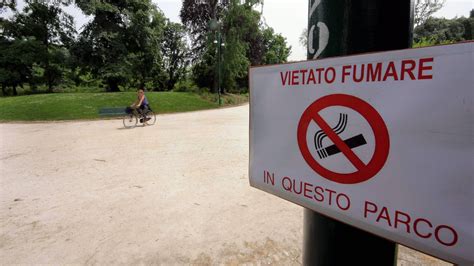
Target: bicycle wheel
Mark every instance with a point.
(150, 118)
(130, 121)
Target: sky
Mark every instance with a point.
(287, 17)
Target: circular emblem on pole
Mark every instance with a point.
(382, 142)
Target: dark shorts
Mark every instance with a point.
(141, 110)
(144, 108)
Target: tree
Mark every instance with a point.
(8, 4)
(175, 53)
(145, 38)
(235, 63)
(53, 28)
(244, 43)
(468, 24)
(425, 8)
(203, 70)
(304, 38)
(276, 50)
(196, 17)
(247, 41)
(17, 62)
(440, 31)
(122, 39)
(46, 28)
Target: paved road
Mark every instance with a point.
(92, 192)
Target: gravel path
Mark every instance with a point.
(91, 192)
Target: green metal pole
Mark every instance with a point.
(216, 63)
(219, 43)
(344, 27)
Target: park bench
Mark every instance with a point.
(112, 111)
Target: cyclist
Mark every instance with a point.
(141, 104)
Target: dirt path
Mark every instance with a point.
(174, 193)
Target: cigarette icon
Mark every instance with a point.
(352, 142)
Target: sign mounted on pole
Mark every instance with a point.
(382, 141)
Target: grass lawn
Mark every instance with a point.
(70, 106)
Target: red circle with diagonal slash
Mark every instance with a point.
(382, 142)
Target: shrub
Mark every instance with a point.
(186, 86)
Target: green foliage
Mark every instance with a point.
(17, 61)
(442, 31)
(203, 70)
(46, 32)
(144, 47)
(175, 54)
(243, 46)
(234, 99)
(468, 24)
(55, 30)
(275, 48)
(186, 85)
(47, 23)
(424, 42)
(247, 42)
(122, 42)
(235, 63)
(228, 99)
(129, 44)
(196, 17)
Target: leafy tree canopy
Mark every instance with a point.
(122, 39)
(245, 41)
(440, 30)
(176, 54)
(425, 8)
(47, 28)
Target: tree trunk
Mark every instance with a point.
(22, 88)
(48, 76)
(48, 67)
(15, 93)
(4, 92)
(170, 82)
(50, 85)
(33, 87)
(48, 79)
(112, 86)
(161, 85)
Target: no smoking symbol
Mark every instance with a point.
(382, 143)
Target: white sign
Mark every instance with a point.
(382, 141)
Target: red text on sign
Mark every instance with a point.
(404, 70)
(316, 193)
(308, 76)
(421, 227)
(407, 69)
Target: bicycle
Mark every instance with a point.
(147, 118)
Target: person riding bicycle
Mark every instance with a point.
(141, 104)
